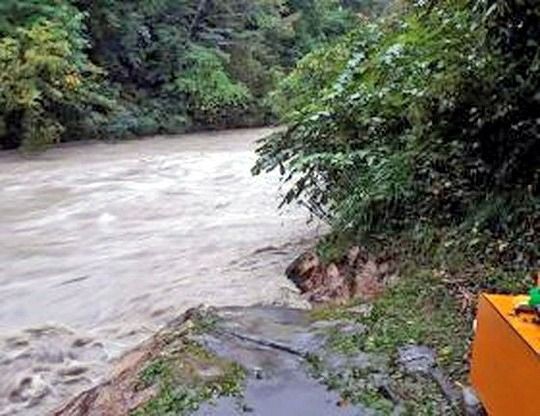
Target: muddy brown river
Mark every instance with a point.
(101, 244)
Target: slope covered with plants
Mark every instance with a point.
(78, 69)
(419, 134)
(423, 121)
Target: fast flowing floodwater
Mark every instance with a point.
(103, 243)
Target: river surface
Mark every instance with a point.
(101, 244)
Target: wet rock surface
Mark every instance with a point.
(471, 403)
(417, 359)
(267, 361)
(421, 361)
(272, 345)
(289, 393)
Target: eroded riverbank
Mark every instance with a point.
(103, 243)
(266, 361)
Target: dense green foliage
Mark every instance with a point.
(47, 83)
(76, 69)
(424, 122)
(418, 136)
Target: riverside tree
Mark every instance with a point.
(78, 69)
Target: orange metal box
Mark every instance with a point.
(506, 358)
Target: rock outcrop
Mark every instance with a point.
(357, 275)
(185, 364)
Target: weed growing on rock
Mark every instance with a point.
(185, 376)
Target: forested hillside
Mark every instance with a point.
(81, 69)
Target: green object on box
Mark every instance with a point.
(535, 297)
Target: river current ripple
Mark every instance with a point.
(101, 244)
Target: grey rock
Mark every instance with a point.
(421, 360)
(326, 324)
(417, 359)
(471, 403)
(339, 363)
(352, 329)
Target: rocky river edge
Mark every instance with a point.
(269, 361)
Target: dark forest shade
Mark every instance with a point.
(74, 70)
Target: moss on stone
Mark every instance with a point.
(186, 375)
